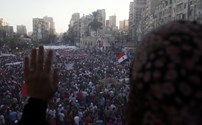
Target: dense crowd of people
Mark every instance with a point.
(92, 87)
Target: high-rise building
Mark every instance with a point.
(123, 25)
(3, 23)
(131, 13)
(9, 31)
(75, 18)
(51, 24)
(107, 23)
(199, 11)
(112, 21)
(135, 16)
(74, 28)
(21, 29)
(6, 31)
(101, 16)
(40, 29)
(43, 27)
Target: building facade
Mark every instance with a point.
(102, 17)
(123, 25)
(40, 29)
(74, 28)
(149, 14)
(135, 20)
(6, 31)
(50, 24)
(130, 20)
(43, 28)
(112, 21)
(199, 11)
(75, 18)
(21, 30)
(163, 13)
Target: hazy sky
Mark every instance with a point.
(17, 12)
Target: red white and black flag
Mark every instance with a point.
(121, 57)
(100, 43)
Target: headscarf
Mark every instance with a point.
(166, 77)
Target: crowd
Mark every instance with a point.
(165, 83)
(92, 87)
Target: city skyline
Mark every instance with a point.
(22, 12)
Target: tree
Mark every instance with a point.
(95, 24)
(67, 38)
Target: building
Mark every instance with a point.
(75, 18)
(130, 21)
(148, 16)
(123, 25)
(43, 28)
(6, 31)
(163, 12)
(112, 21)
(135, 17)
(9, 31)
(3, 23)
(50, 25)
(101, 16)
(199, 11)
(107, 23)
(21, 29)
(74, 28)
(86, 39)
(40, 29)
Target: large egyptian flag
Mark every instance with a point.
(121, 57)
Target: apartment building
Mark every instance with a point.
(163, 12)
(123, 25)
(102, 16)
(51, 25)
(40, 29)
(112, 21)
(21, 30)
(43, 27)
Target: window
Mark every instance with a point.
(185, 5)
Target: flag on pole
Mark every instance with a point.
(121, 57)
(100, 43)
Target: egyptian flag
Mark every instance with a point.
(121, 57)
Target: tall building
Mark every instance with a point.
(6, 31)
(131, 16)
(40, 29)
(167, 10)
(199, 11)
(112, 21)
(9, 31)
(50, 23)
(163, 12)
(74, 28)
(101, 16)
(107, 23)
(43, 27)
(21, 29)
(75, 18)
(135, 17)
(3, 23)
(123, 25)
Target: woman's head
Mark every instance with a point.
(166, 77)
